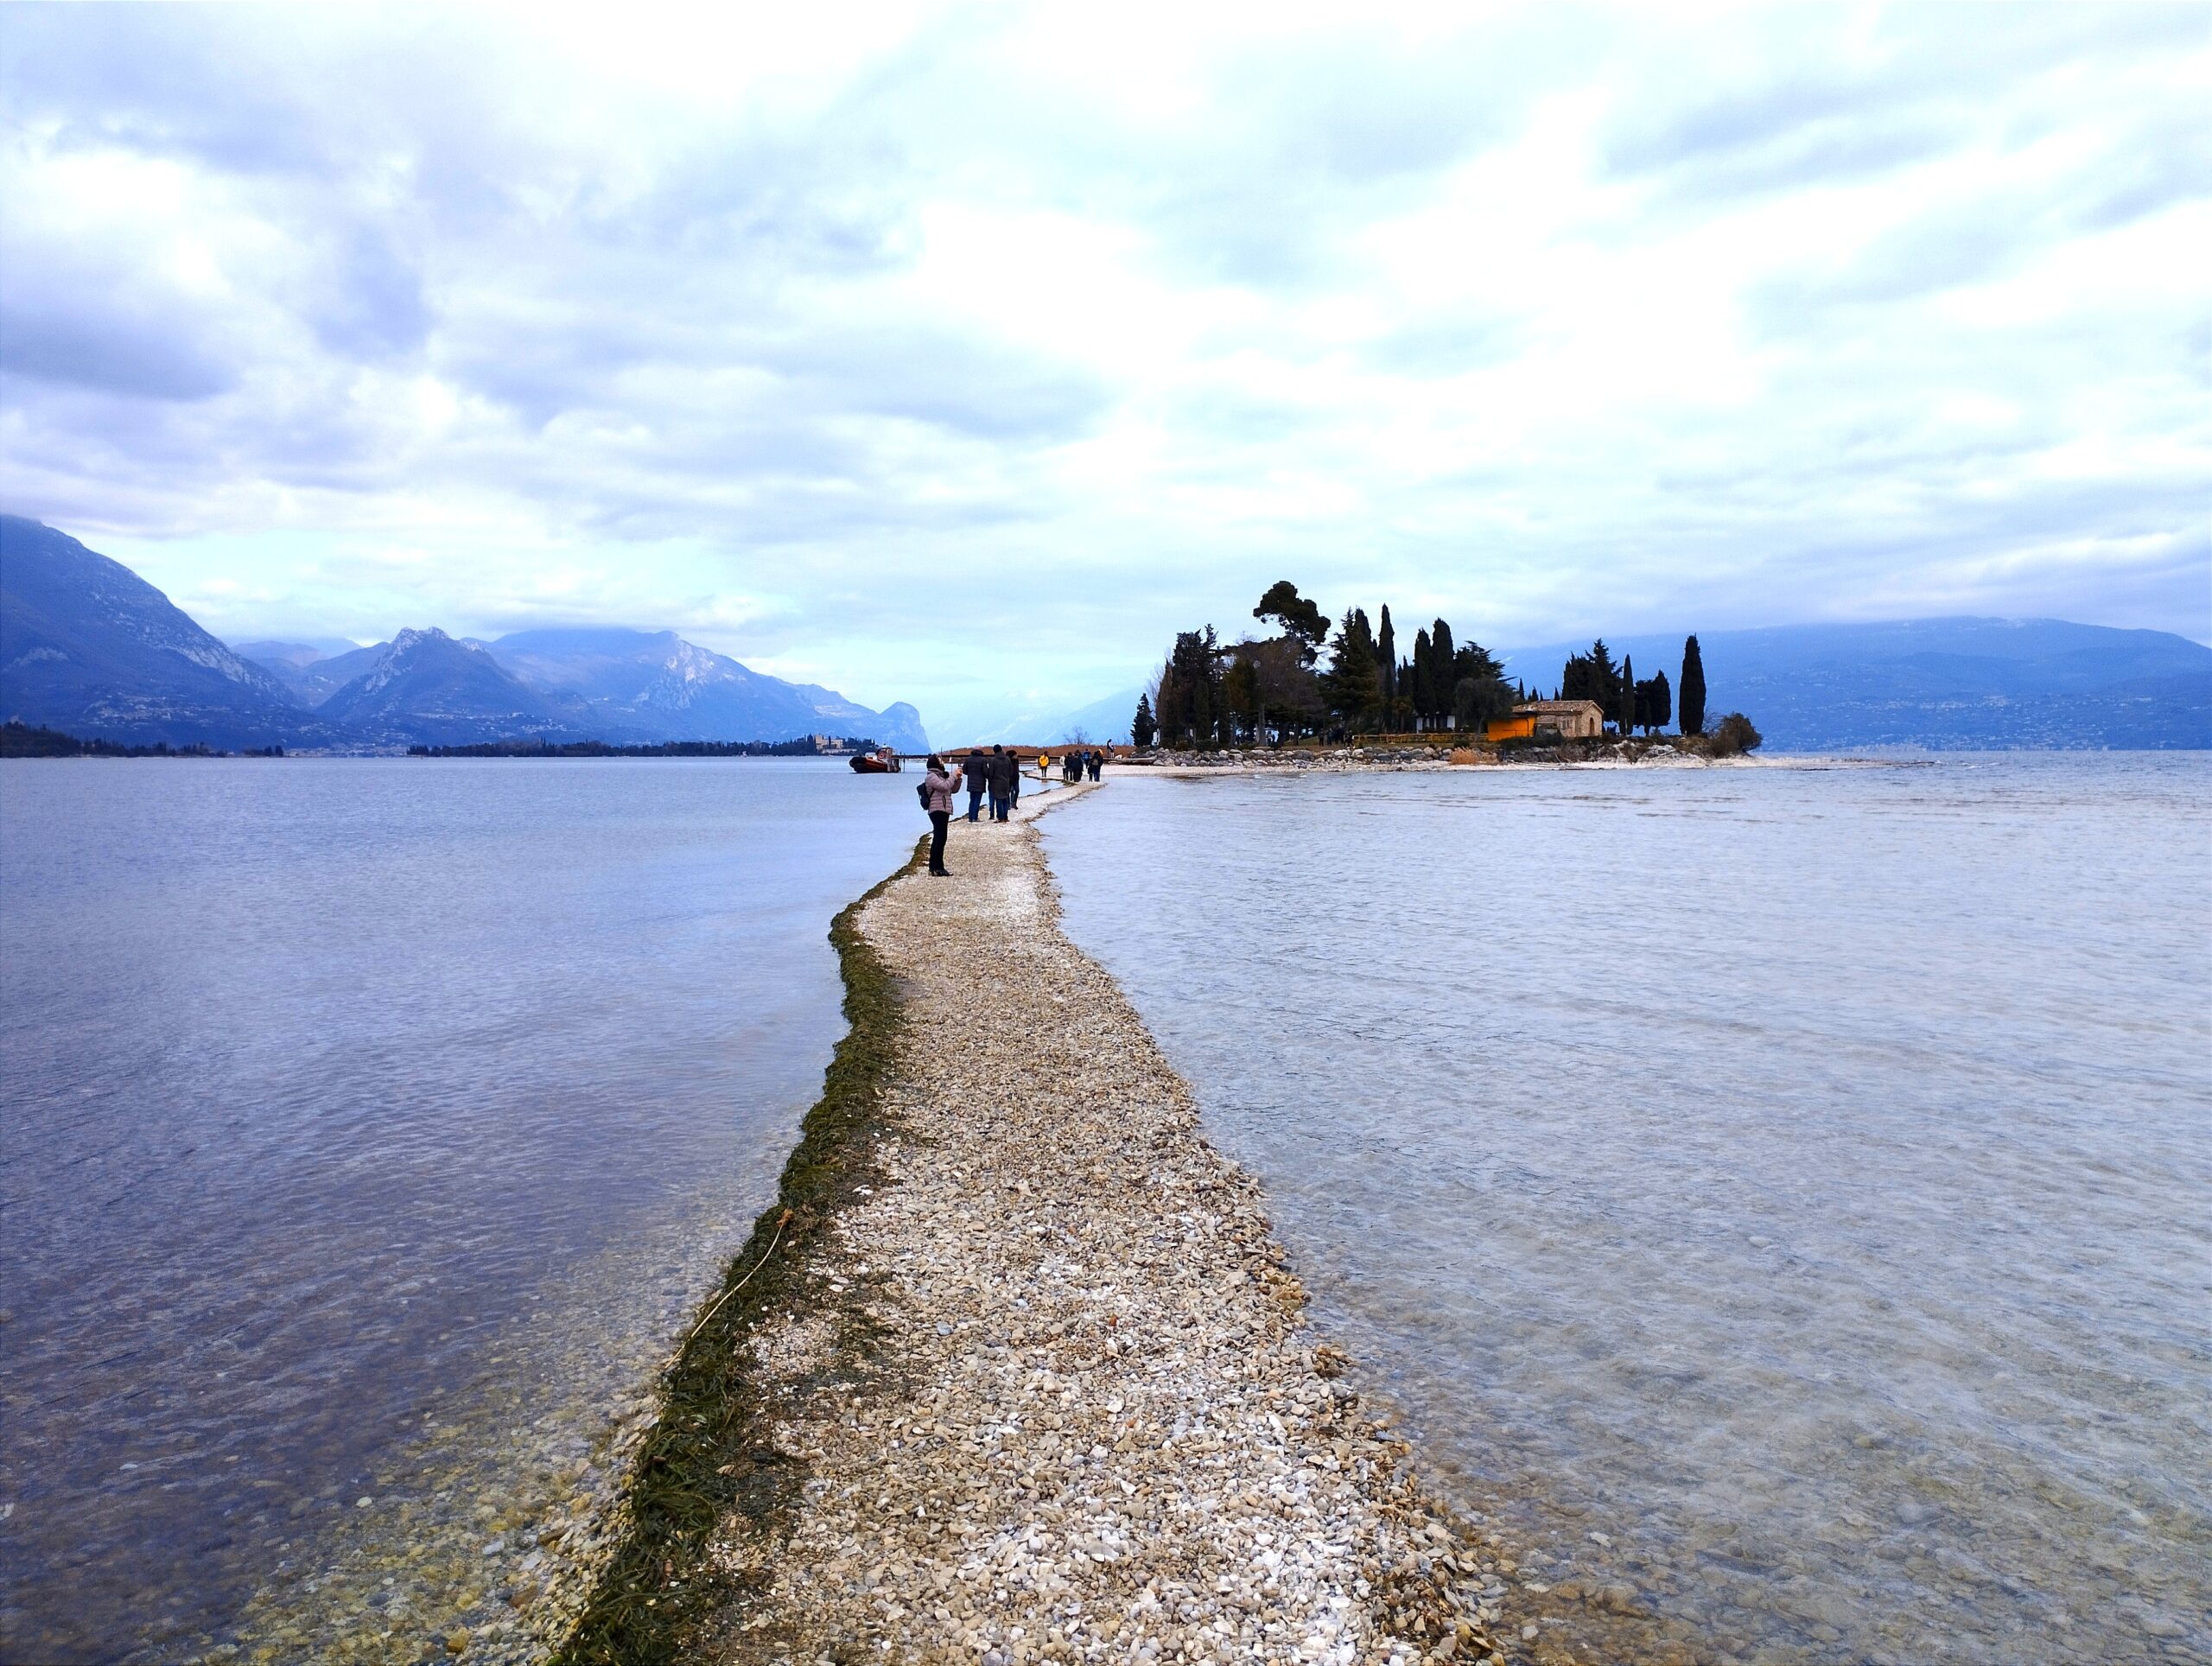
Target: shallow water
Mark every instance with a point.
(1796, 1178)
(354, 1104)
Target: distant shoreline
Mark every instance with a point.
(1667, 751)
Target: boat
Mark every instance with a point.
(882, 761)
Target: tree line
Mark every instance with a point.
(807, 746)
(20, 740)
(1304, 683)
(1629, 702)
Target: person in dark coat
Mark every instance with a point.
(977, 769)
(1097, 761)
(1005, 777)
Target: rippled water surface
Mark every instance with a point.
(340, 1092)
(1782, 1197)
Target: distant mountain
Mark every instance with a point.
(312, 671)
(89, 647)
(1937, 683)
(424, 687)
(1035, 723)
(656, 686)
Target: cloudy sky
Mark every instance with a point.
(960, 355)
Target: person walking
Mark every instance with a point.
(1004, 774)
(977, 769)
(1097, 761)
(938, 787)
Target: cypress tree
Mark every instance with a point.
(1441, 672)
(1691, 701)
(1424, 680)
(1141, 727)
(1386, 664)
(1627, 696)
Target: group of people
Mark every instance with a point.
(996, 775)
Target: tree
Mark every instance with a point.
(1653, 704)
(1290, 694)
(1693, 695)
(1734, 734)
(1421, 682)
(1240, 689)
(1624, 696)
(1592, 676)
(1478, 688)
(1189, 707)
(1302, 620)
(1141, 727)
(1350, 684)
(1386, 668)
(1443, 674)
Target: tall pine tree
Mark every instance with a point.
(1625, 699)
(1386, 664)
(1350, 682)
(1690, 700)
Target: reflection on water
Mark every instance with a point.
(334, 1087)
(1783, 1195)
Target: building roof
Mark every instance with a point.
(1549, 708)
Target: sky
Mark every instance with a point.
(962, 354)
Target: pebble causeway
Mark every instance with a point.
(1089, 1422)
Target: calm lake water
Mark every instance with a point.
(1782, 1192)
(344, 1096)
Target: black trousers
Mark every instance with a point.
(939, 821)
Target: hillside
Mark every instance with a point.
(426, 689)
(656, 686)
(312, 671)
(1941, 685)
(89, 647)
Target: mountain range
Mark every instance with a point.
(89, 647)
(1937, 685)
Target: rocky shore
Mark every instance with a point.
(1031, 1382)
(1694, 752)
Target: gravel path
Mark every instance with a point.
(1060, 1403)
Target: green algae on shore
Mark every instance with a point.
(704, 1459)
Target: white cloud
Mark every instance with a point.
(930, 353)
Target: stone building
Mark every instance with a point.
(1571, 720)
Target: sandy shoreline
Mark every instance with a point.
(1030, 1380)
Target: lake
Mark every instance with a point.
(1779, 1197)
(372, 1126)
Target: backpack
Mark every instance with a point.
(922, 791)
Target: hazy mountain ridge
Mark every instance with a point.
(88, 647)
(312, 671)
(1105, 721)
(658, 687)
(425, 688)
(1943, 684)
